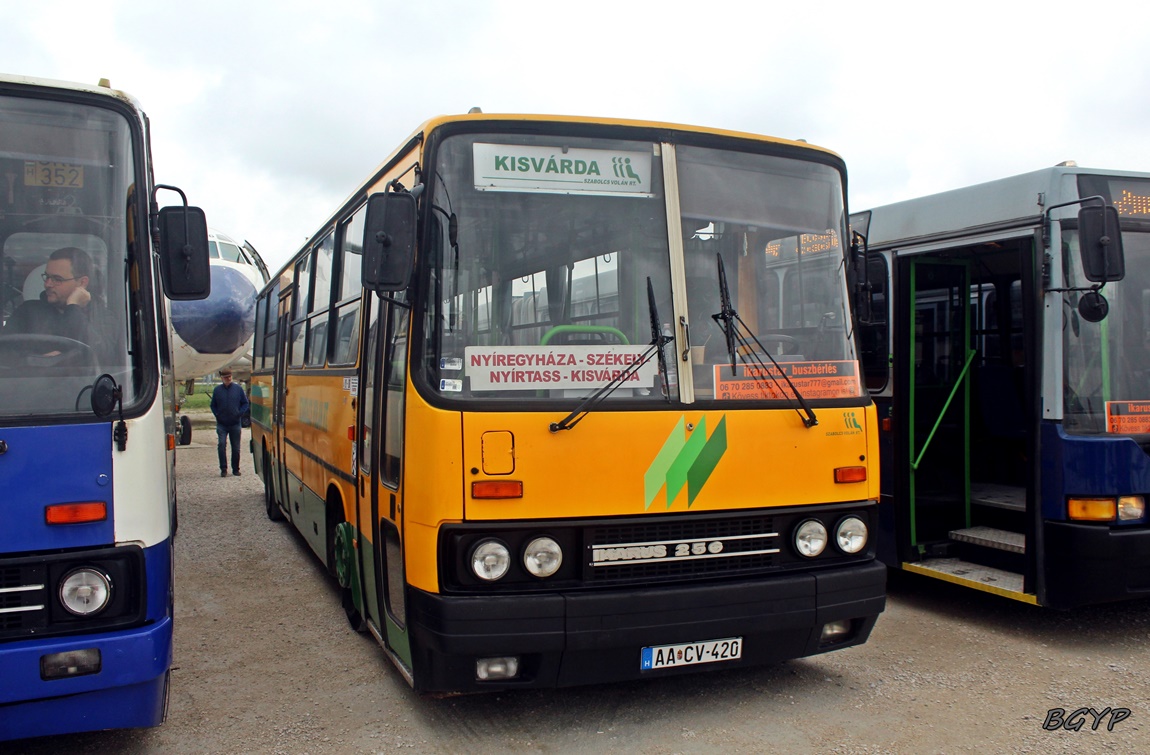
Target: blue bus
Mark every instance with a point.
(1006, 341)
(87, 489)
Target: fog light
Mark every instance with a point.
(70, 663)
(1131, 507)
(506, 667)
(835, 631)
(85, 591)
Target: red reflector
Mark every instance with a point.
(497, 489)
(351, 432)
(887, 424)
(76, 513)
(850, 474)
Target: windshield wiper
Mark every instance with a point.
(738, 345)
(658, 343)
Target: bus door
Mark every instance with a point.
(379, 450)
(932, 408)
(279, 411)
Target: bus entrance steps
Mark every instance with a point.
(989, 537)
(985, 578)
(1009, 497)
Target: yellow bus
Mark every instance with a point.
(565, 400)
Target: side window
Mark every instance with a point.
(320, 302)
(301, 301)
(265, 338)
(874, 335)
(395, 377)
(345, 312)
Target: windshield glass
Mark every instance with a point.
(64, 256)
(542, 248)
(1108, 363)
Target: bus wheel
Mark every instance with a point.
(185, 430)
(346, 574)
(270, 504)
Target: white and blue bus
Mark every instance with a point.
(87, 490)
(1006, 342)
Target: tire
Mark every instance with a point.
(270, 504)
(185, 430)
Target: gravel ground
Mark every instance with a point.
(265, 662)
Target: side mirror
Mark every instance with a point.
(388, 241)
(183, 251)
(1100, 240)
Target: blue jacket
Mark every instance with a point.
(229, 403)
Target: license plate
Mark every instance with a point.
(53, 174)
(691, 653)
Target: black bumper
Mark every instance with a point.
(595, 637)
(1088, 564)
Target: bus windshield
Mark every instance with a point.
(1107, 363)
(542, 247)
(65, 253)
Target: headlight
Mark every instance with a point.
(810, 538)
(85, 592)
(1131, 507)
(490, 560)
(851, 535)
(542, 557)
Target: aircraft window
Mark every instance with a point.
(213, 250)
(230, 252)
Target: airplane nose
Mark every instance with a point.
(221, 323)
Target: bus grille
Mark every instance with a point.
(685, 548)
(23, 599)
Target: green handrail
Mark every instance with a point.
(965, 368)
(583, 329)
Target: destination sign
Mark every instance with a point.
(530, 368)
(1131, 198)
(561, 170)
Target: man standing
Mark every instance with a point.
(229, 404)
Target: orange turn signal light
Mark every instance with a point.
(850, 474)
(76, 513)
(1092, 509)
(497, 489)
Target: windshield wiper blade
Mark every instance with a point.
(658, 341)
(733, 328)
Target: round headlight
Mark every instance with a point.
(85, 592)
(542, 557)
(490, 560)
(851, 535)
(810, 538)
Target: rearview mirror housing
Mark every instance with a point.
(1100, 239)
(389, 241)
(184, 266)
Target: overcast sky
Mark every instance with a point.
(268, 114)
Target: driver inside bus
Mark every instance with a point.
(65, 306)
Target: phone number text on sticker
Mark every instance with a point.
(691, 653)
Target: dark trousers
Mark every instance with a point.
(223, 432)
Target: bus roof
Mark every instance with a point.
(998, 205)
(103, 88)
(477, 117)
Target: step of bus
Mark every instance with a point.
(989, 537)
(1010, 497)
(985, 578)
